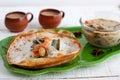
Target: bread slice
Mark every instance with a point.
(21, 50)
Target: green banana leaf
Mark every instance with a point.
(86, 58)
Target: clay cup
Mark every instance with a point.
(50, 18)
(17, 21)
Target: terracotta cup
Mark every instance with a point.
(17, 21)
(50, 18)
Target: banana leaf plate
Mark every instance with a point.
(86, 57)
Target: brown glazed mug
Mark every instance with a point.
(50, 18)
(17, 21)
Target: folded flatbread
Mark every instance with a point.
(43, 48)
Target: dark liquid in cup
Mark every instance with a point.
(15, 15)
(49, 13)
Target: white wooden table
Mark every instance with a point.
(108, 70)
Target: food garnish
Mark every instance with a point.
(77, 34)
(97, 52)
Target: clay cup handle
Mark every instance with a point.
(63, 14)
(31, 16)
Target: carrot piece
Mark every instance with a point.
(35, 50)
(36, 53)
(47, 38)
(45, 44)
